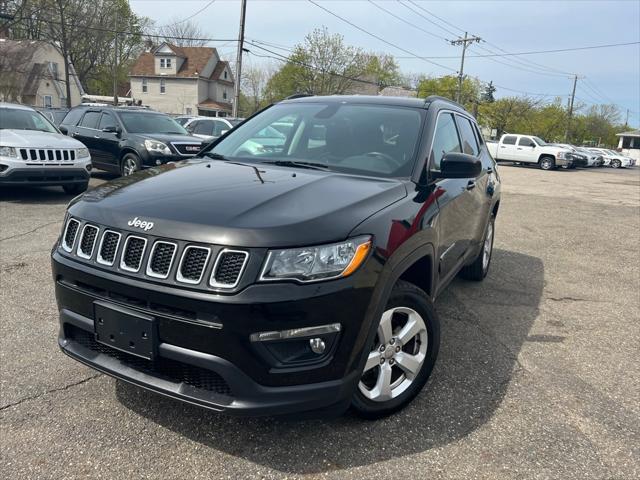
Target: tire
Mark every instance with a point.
(75, 189)
(478, 270)
(547, 163)
(406, 364)
(130, 164)
(616, 163)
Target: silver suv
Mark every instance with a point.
(34, 152)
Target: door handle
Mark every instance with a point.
(519, 148)
(96, 136)
(503, 147)
(471, 185)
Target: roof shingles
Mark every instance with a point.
(195, 61)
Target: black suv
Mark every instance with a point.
(127, 139)
(290, 276)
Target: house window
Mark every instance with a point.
(47, 101)
(224, 94)
(189, 110)
(162, 63)
(54, 69)
(163, 88)
(225, 74)
(165, 63)
(168, 63)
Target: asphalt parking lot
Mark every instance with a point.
(538, 374)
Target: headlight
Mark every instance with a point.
(317, 263)
(159, 147)
(8, 152)
(82, 152)
(561, 155)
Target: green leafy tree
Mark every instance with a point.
(447, 86)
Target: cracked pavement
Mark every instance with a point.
(538, 374)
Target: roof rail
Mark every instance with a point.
(299, 95)
(433, 98)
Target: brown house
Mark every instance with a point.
(183, 80)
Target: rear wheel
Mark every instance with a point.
(75, 189)
(402, 356)
(547, 163)
(480, 266)
(130, 164)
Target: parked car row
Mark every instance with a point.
(532, 150)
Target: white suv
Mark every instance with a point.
(34, 152)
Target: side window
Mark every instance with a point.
(204, 127)
(106, 121)
(90, 120)
(219, 127)
(478, 135)
(509, 140)
(526, 142)
(73, 117)
(469, 142)
(445, 139)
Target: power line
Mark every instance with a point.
(426, 18)
(189, 17)
(406, 21)
(380, 38)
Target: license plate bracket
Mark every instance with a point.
(125, 330)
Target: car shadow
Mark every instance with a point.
(484, 326)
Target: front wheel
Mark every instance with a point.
(616, 163)
(547, 163)
(402, 356)
(130, 164)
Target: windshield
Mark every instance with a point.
(140, 122)
(372, 140)
(540, 142)
(19, 119)
(235, 121)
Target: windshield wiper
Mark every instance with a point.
(215, 156)
(291, 163)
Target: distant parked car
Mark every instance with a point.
(34, 152)
(579, 158)
(128, 139)
(614, 159)
(210, 128)
(527, 149)
(184, 119)
(54, 115)
(593, 158)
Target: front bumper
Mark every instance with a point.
(207, 358)
(44, 176)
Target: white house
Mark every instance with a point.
(629, 143)
(32, 73)
(183, 80)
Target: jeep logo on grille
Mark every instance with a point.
(143, 224)
(192, 148)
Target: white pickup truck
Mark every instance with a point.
(527, 149)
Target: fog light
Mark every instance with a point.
(317, 345)
(158, 162)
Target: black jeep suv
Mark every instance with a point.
(127, 139)
(280, 277)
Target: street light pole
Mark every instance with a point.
(236, 96)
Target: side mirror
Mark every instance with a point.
(63, 130)
(112, 129)
(459, 165)
(223, 132)
(533, 145)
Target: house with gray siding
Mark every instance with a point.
(183, 81)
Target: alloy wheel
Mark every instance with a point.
(398, 356)
(129, 167)
(488, 247)
(545, 164)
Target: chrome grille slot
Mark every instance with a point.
(161, 259)
(132, 253)
(87, 241)
(69, 236)
(108, 247)
(228, 268)
(191, 268)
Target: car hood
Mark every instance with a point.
(241, 205)
(36, 139)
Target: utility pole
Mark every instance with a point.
(626, 119)
(236, 97)
(115, 62)
(465, 43)
(573, 96)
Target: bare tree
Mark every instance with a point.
(14, 68)
(182, 33)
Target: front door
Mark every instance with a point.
(525, 150)
(507, 148)
(108, 143)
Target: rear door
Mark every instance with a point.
(455, 200)
(507, 148)
(87, 132)
(526, 150)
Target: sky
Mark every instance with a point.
(606, 75)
